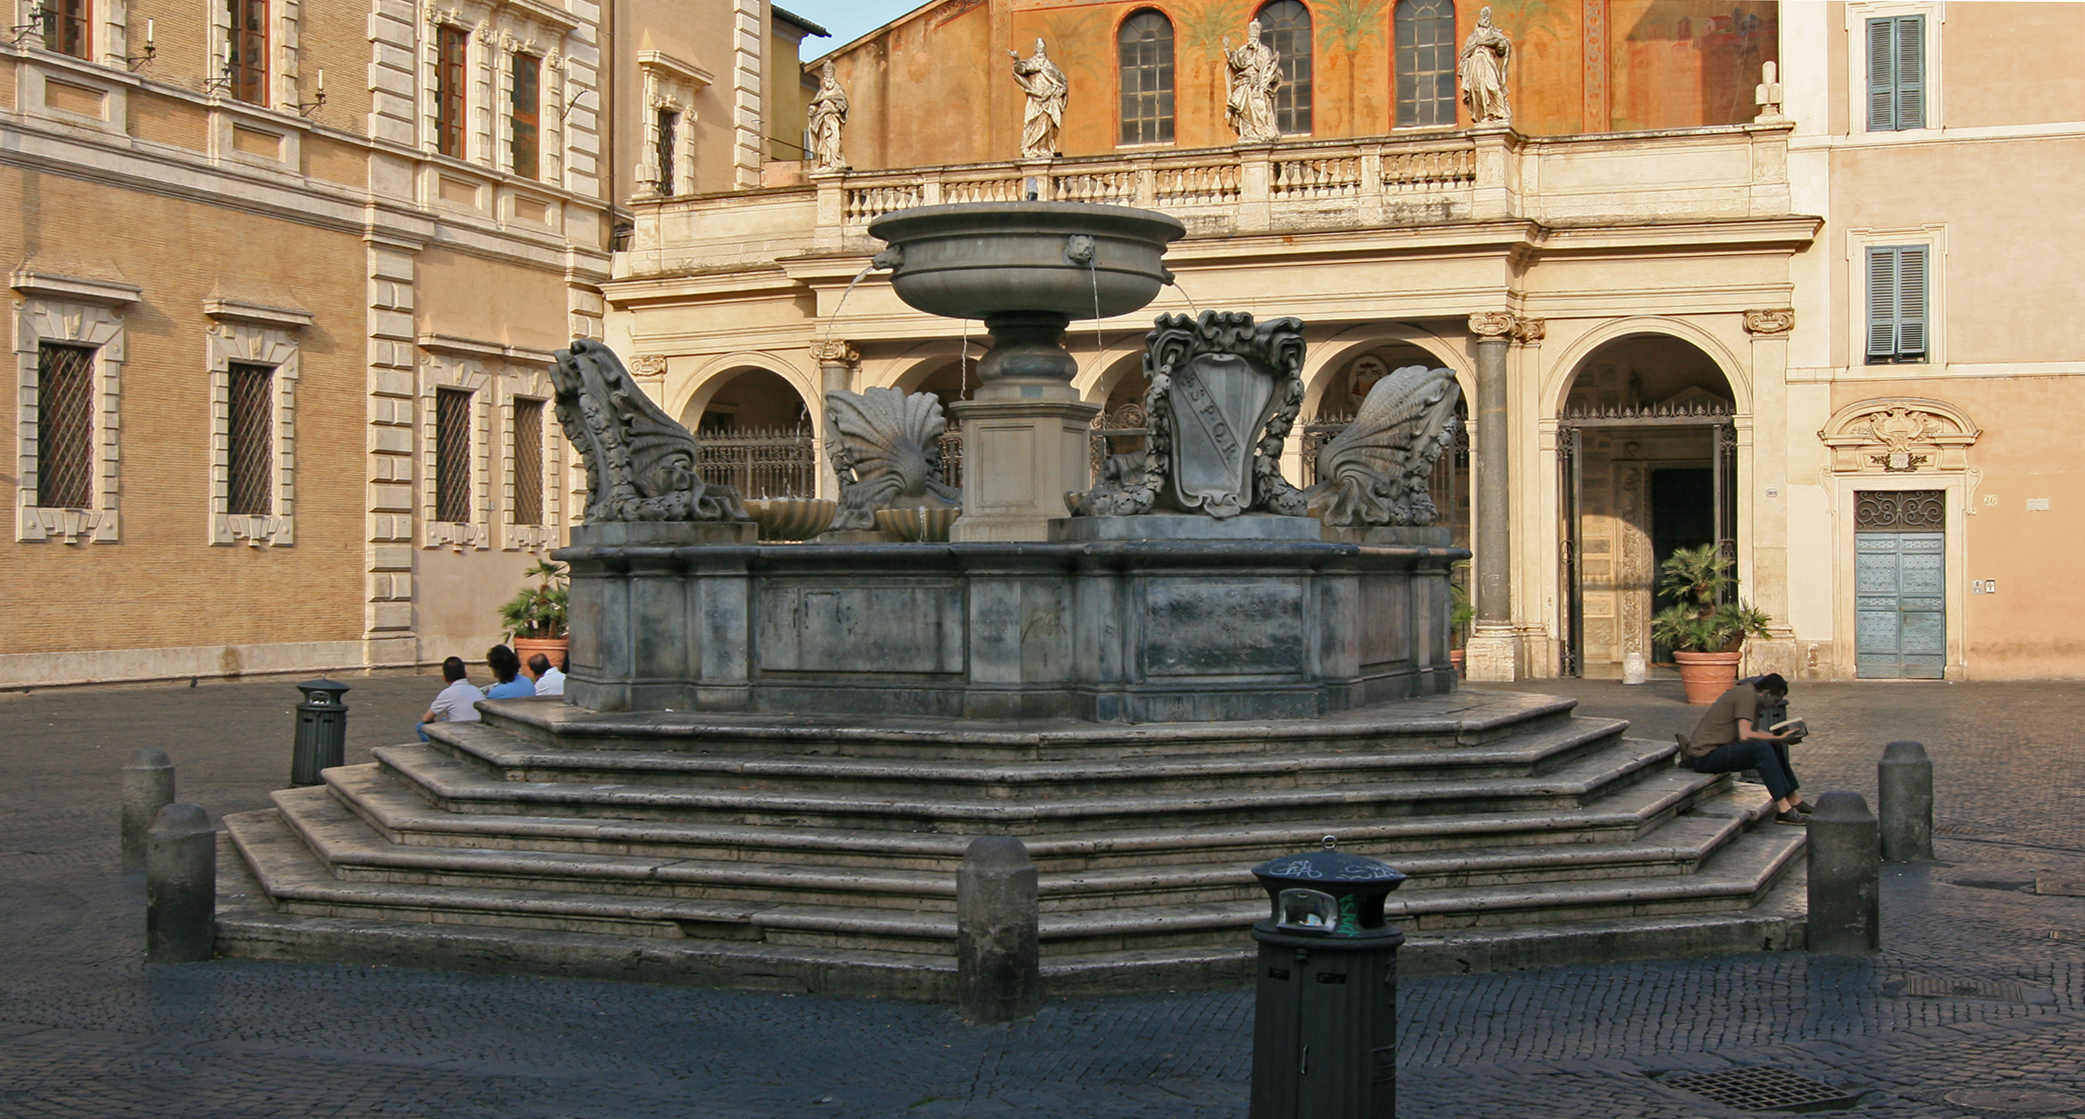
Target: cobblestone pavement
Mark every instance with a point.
(87, 1030)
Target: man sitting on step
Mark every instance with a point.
(1729, 738)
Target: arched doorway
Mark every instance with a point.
(754, 434)
(1647, 464)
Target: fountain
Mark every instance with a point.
(773, 756)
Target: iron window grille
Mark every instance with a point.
(451, 43)
(669, 136)
(527, 106)
(250, 453)
(64, 426)
(1285, 26)
(248, 60)
(1425, 63)
(528, 462)
(1145, 47)
(452, 455)
(1899, 511)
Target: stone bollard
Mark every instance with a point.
(180, 886)
(1845, 877)
(998, 955)
(148, 786)
(1905, 795)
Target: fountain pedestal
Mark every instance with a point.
(1025, 445)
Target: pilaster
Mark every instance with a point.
(389, 636)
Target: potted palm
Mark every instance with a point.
(1707, 636)
(534, 619)
(1460, 614)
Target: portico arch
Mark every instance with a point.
(757, 431)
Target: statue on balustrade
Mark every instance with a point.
(1252, 74)
(1379, 470)
(885, 444)
(827, 113)
(1223, 395)
(1046, 88)
(1482, 72)
(640, 465)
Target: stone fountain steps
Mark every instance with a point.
(301, 881)
(401, 816)
(352, 851)
(457, 786)
(500, 753)
(1463, 718)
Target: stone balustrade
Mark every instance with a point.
(1432, 179)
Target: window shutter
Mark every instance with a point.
(1911, 71)
(1882, 76)
(1911, 301)
(1882, 304)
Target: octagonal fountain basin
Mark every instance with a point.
(980, 260)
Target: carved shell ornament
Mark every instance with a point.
(885, 445)
(1379, 470)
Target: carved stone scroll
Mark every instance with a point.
(1379, 469)
(1491, 324)
(885, 445)
(1224, 394)
(640, 465)
(1779, 320)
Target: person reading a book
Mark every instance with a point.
(1745, 729)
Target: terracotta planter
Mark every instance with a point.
(1706, 675)
(552, 647)
(1455, 658)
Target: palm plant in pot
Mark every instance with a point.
(534, 619)
(1707, 636)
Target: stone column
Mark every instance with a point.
(837, 361)
(1493, 653)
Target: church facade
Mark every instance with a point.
(1760, 276)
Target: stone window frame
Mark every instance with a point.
(498, 30)
(79, 312)
(1858, 13)
(670, 84)
(467, 372)
(108, 31)
(1858, 241)
(285, 76)
(254, 334)
(528, 382)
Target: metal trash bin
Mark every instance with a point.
(1324, 1036)
(321, 731)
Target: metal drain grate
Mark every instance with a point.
(1941, 987)
(1764, 1089)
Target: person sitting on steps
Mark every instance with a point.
(1730, 738)
(506, 666)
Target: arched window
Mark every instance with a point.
(1285, 26)
(1145, 45)
(1425, 63)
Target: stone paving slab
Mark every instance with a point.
(87, 1030)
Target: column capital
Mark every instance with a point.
(1530, 330)
(1491, 324)
(838, 351)
(1774, 320)
(648, 365)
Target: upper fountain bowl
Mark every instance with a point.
(973, 260)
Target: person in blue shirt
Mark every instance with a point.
(506, 670)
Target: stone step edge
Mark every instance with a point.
(247, 928)
(487, 745)
(305, 810)
(1579, 778)
(254, 832)
(382, 810)
(1491, 712)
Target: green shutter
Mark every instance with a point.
(1911, 71)
(1911, 302)
(1882, 305)
(1882, 75)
